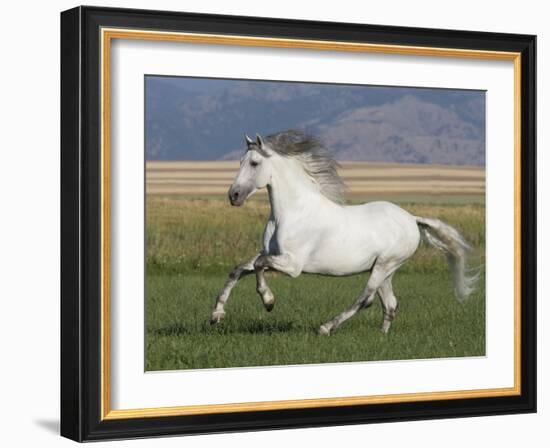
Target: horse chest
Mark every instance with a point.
(286, 237)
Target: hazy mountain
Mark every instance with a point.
(207, 119)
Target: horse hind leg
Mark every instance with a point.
(378, 275)
(389, 303)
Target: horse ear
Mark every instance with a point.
(259, 141)
(248, 140)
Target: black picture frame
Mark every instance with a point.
(81, 224)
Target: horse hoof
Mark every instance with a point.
(324, 330)
(217, 316)
(268, 298)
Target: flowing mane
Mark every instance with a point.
(315, 159)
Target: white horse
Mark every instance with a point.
(310, 230)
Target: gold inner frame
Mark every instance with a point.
(107, 35)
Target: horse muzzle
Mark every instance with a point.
(237, 196)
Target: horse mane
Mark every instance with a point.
(315, 159)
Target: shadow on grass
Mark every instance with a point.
(175, 329)
(251, 327)
(241, 327)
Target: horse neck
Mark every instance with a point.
(291, 191)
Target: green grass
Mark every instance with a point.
(192, 245)
(207, 235)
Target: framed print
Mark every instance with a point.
(275, 224)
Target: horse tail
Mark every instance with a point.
(447, 239)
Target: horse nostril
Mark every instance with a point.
(233, 196)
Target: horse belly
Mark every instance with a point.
(340, 259)
(380, 230)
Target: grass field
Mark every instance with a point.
(193, 242)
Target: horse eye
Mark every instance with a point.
(254, 164)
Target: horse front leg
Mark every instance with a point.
(234, 276)
(282, 263)
(268, 299)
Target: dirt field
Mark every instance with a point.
(363, 179)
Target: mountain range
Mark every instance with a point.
(201, 119)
